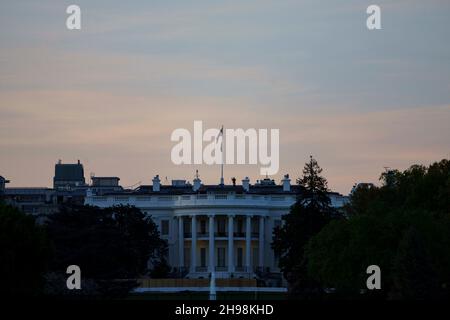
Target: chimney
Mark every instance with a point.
(156, 183)
(197, 182)
(246, 184)
(286, 183)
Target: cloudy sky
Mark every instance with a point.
(112, 93)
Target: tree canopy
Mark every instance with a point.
(24, 253)
(108, 245)
(403, 226)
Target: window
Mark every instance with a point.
(202, 257)
(186, 227)
(187, 256)
(240, 225)
(203, 226)
(164, 227)
(255, 226)
(221, 226)
(240, 256)
(221, 257)
(255, 257)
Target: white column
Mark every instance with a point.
(248, 243)
(230, 244)
(261, 241)
(194, 243)
(180, 242)
(211, 262)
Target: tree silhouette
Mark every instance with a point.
(310, 213)
(24, 253)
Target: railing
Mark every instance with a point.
(198, 200)
(220, 234)
(203, 234)
(165, 198)
(221, 268)
(240, 269)
(201, 269)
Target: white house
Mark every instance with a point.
(221, 228)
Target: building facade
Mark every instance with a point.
(69, 188)
(227, 229)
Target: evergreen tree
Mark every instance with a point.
(310, 213)
(315, 187)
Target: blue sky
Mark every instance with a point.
(112, 93)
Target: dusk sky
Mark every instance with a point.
(111, 93)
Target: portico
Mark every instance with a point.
(234, 243)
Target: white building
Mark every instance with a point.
(223, 228)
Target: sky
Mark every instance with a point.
(111, 93)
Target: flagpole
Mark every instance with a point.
(221, 167)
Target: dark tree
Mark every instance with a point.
(307, 217)
(413, 272)
(112, 247)
(402, 226)
(24, 253)
(315, 187)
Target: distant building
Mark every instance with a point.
(68, 176)
(34, 201)
(227, 229)
(69, 187)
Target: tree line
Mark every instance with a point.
(402, 226)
